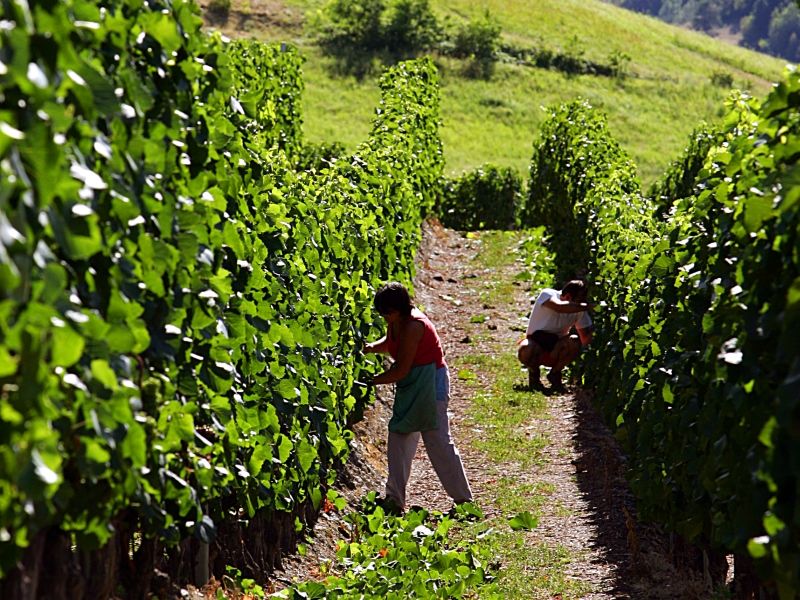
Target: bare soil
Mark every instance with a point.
(256, 17)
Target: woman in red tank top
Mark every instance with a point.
(429, 348)
(422, 392)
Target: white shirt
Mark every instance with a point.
(547, 319)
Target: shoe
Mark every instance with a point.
(389, 506)
(554, 377)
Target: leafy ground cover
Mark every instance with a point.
(393, 557)
(669, 91)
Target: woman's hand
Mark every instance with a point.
(375, 347)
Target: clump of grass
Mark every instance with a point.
(219, 7)
(528, 570)
(504, 410)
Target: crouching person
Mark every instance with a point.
(549, 341)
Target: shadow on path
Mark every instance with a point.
(641, 553)
(600, 474)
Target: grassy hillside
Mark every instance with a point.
(670, 89)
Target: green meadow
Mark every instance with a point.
(669, 88)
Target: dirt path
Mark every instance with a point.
(448, 286)
(592, 512)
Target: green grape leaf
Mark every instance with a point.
(523, 520)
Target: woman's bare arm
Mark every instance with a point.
(378, 346)
(410, 337)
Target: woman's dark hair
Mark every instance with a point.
(393, 296)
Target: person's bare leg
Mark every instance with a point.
(565, 351)
(529, 354)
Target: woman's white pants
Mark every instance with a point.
(441, 450)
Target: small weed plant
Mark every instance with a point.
(400, 556)
(219, 7)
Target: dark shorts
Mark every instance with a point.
(547, 341)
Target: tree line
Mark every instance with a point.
(771, 26)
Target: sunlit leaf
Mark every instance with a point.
(523, 520)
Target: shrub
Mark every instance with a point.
(486, 198)
(574, 154)
(568, 62)
(178, 337)
(410, 27)
(680, 179)
(619, 62)
(478, 39)
(404, 27)
(358, 34)
(696, 360)
(722, 79)
(346, 24)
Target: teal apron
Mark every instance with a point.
(415, 401)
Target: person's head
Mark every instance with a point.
(576, 290)
(393, 297)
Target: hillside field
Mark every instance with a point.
(669, 89)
